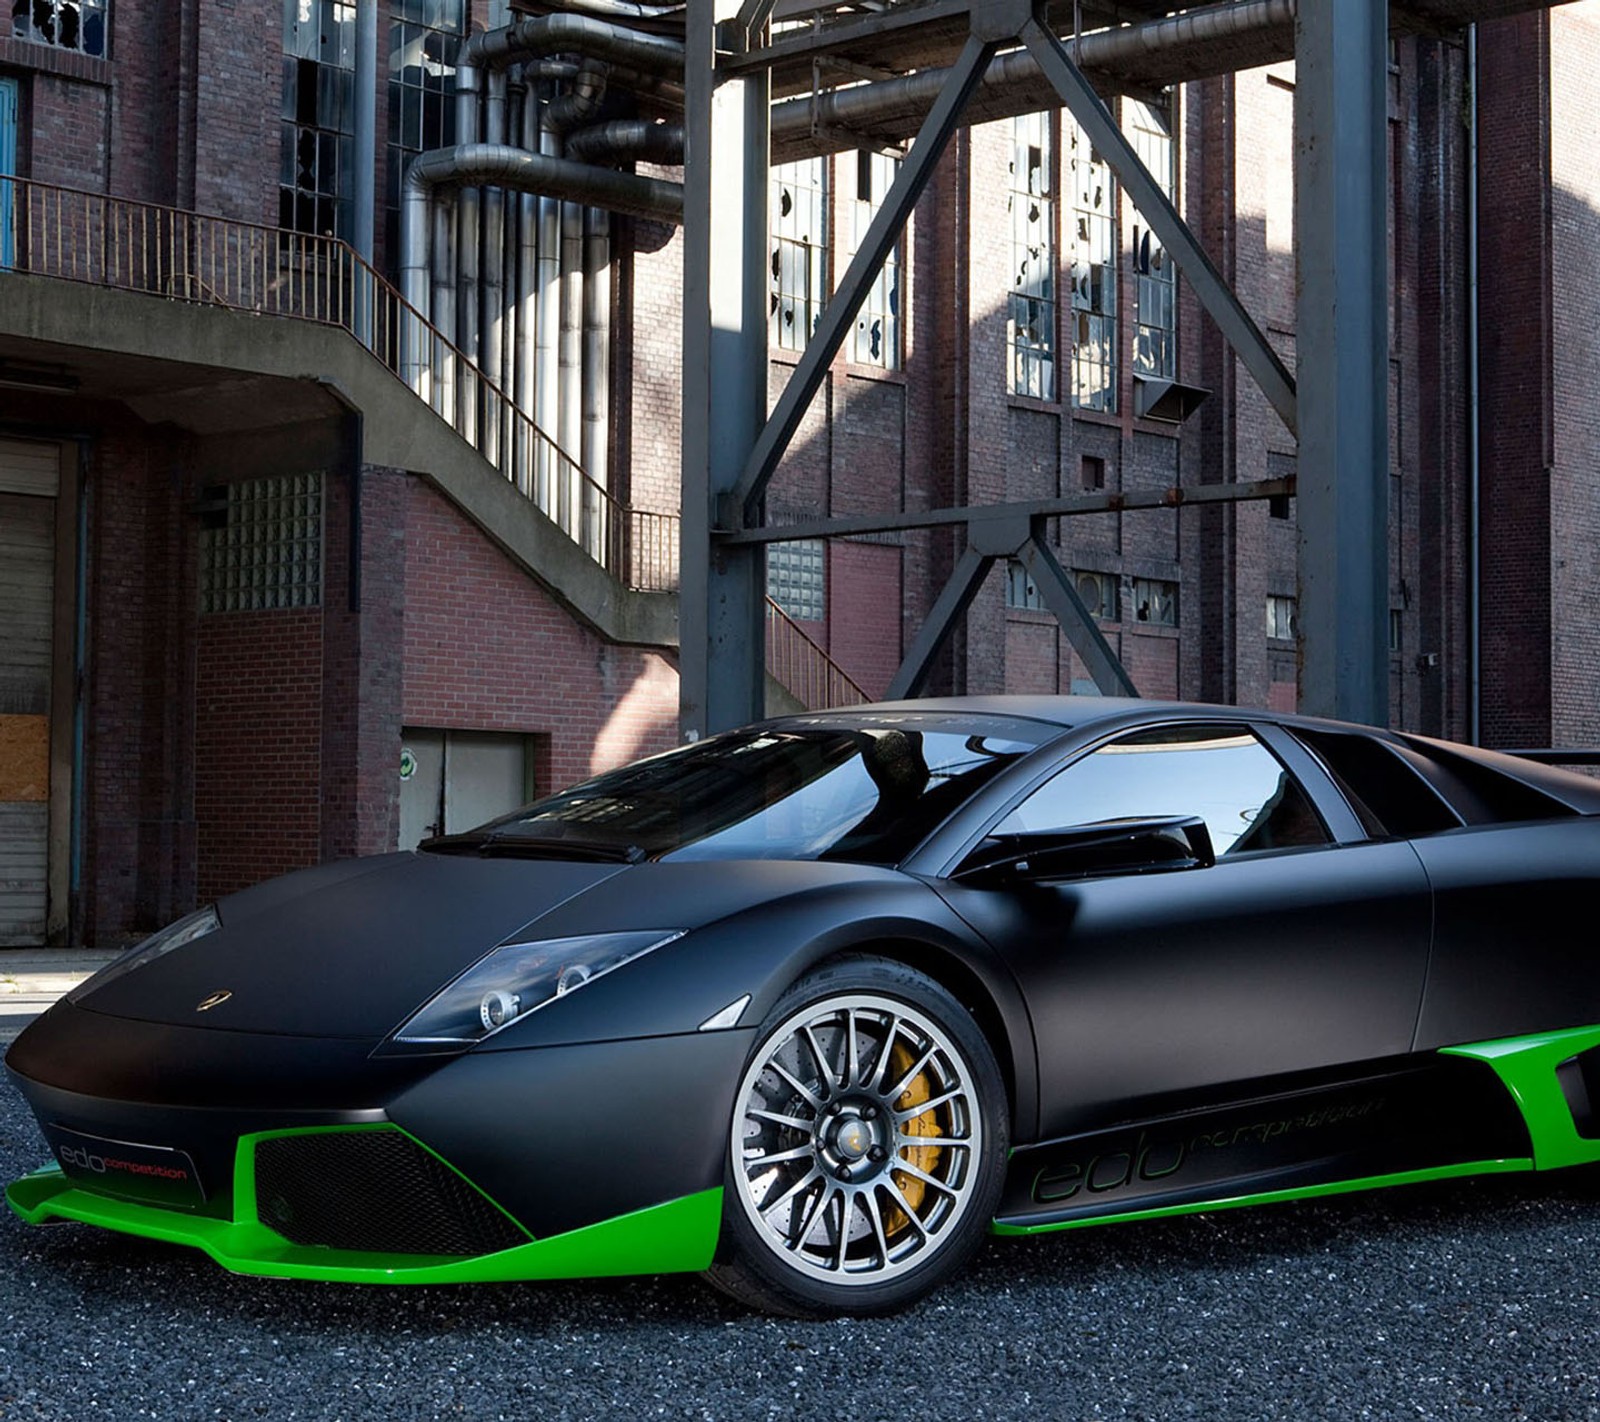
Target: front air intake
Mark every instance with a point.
(375, 1191)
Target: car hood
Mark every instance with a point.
(349, 949)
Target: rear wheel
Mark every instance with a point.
(867, 1145)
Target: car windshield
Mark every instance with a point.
(808, 788)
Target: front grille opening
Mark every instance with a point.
(376, 1192)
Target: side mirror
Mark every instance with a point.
(1131, 846)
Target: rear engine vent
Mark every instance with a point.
(374, 1191)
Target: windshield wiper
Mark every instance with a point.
(532, 846)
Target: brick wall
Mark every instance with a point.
(1517, 421)
(363, 642)
(1435, 639)
(239, 90)
(1575, 371)
(486, 649)
(648, 364)
(258, 746)
(138, 773)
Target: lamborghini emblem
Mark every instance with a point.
(215, 1000)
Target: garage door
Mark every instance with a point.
(28, 487)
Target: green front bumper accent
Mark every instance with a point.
(678, 1236)
(1527, 1067)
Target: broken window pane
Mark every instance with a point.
(799, 251)
(877, 338)
(78, 25)
(1155, 313)
(1031, 323)
(1094, 274)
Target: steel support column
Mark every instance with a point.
(1077, 622)
(948, 609)
(1010, 534)
(1341, 167)
(720, 605)
(1212, 289)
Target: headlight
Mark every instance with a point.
(185, 930)
(514, 980)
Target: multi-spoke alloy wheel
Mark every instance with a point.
(866, 1143)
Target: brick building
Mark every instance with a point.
(263, 605)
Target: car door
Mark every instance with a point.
(1292, 953)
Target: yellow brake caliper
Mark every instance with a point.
(925, 1158)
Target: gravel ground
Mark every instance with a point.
(1471, 1299)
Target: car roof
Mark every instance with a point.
(1067, 712)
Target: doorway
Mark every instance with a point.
(452, 781)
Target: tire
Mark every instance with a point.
(867, 1146)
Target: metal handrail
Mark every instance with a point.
(73, 235)
(93, 238)
(796, 659)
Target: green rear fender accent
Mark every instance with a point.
(677, 1236)
(1527, 1067)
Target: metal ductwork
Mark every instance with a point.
(628, 141)
(1212, 40)
(516, 285)
(480, 163)
(582, 35)
(523, 284)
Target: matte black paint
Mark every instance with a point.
(355, 956)
(1151, 999)
(1141, 986)
(564, 1136)
(1515, 947)
(1444, 1112)
(208, 1136)
(84, 1051)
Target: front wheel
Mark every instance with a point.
(867, 1146)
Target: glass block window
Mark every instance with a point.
(316, 177)
(265, 548)
(1093, 192)
(1155, 318)
(799, 220)
(1155, 601)
(424, 36)
(1282, 620)
(78, 25)
(1031, 322)
(795, 578)
(1021, 591)
(877, 339)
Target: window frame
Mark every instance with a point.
(948, 849)
(1203, 724)
(792, 250)
(30, 35)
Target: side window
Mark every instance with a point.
(1222, 773)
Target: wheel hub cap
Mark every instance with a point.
(853, 1139)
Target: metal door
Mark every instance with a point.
(455, 780)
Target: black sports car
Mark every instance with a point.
(811, 1006)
